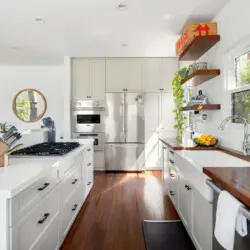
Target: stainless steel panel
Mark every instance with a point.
(114, 118)
(134, 118)
(124, 157)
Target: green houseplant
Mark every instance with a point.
(4, 127)
(178, 93)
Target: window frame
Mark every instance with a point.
(232, 76)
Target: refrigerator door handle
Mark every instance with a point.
(123, 134)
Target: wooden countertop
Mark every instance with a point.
(234, 180)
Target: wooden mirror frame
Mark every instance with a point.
(38, 117)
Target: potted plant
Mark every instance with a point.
(4, 127)
(178, 93)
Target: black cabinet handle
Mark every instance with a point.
(75, 207)
(45, 217)
(45, 185)
(171, 152)
(89, 150)
(171, 193)
(74, 181)
(172, 175)
(171, 161)
(89, 164)
(89, 183)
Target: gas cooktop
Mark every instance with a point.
(47, 149)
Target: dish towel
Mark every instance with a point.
(226, 217)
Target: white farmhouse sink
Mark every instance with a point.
(191, 164)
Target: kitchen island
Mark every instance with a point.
(40, 198)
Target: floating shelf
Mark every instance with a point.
(200, 76)
(202, 107)
(199, 46)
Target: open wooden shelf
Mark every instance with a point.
(199, 46)
(200, 76)
(202, 107)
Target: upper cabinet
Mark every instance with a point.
(124, 74)
(88, 78)
(158, 74)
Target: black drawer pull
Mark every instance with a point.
(171, 152)
(45, 217)
(74, 181)
(172, 175)
(45, 185)
(187, 187)
(89, 150)
(171, 193)
(75, 207)
(171, 161)
(89, 164)
(89, 183)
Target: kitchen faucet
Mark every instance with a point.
(246, 143)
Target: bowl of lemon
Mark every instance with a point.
(206, 141)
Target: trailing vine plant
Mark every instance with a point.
(178, 93)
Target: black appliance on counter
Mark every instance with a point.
(47, 149)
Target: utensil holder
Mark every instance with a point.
(4, 148)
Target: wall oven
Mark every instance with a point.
(88, 116)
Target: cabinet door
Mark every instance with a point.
(185, 201)
(132, 75)
(152, 70)
(202, 230)
(114, 75)
(166, 117)
(81, 79)
(169, 67)
(97, 78)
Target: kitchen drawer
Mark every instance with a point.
(70, 183)
(69, 212)
(28, 198)
(49, 240)
(31, 228)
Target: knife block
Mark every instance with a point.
(4, 148)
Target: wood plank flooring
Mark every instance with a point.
(111, 218)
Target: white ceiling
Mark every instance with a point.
(94, 28)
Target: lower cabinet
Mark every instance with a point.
(31, 230)
(185, 201)
(193, 209)
(202, 226)
(68, 213)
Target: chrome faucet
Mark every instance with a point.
(246, 143)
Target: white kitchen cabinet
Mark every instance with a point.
(152, 72)
(124, 74)
(169, 67)
(202, 228)
(158, 74)
(81, 79)
(185, 200)
(97, 78)
(88, 78)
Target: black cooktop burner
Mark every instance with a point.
(47, 149)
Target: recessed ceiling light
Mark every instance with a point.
(121, 6)
(168, 17)
(39, 20)
(124, 45)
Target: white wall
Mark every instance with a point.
(233, 26)
(47, 79)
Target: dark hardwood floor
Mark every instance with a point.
(111, 218)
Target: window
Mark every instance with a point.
(242, 70)
(241, 105)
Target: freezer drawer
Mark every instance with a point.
(124, 157)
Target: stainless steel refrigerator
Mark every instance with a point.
(124, 132)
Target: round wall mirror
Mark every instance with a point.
(29, 105)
